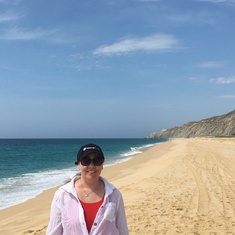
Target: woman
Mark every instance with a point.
(89, 204)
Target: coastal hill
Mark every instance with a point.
(218, 126)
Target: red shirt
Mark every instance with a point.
(90, 211)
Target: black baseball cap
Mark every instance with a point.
(87, 149)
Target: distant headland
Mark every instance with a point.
(217, 126)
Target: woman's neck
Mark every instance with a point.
(85, 183)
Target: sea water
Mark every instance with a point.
(30, 166)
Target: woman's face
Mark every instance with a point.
(91, 171)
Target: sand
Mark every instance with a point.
(184, 186)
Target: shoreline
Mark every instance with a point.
(163, 189)
(18, 185)
(108, 166)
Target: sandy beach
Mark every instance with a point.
(184, 186)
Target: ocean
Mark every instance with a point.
(30, 166)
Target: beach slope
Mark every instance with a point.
(184, 186)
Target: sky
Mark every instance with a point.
(113, 69)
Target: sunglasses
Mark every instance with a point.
(97, 161)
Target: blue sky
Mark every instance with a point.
(89, 69)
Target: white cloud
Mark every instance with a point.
(226, 97)
(194, 17)
(19, 34)
(9, 16)
(211, 64)
(156, 42)
(12, 2)
(223, 81)
(228, 2)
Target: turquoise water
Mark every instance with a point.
(29, 166)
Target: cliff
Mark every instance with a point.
(223, 125)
